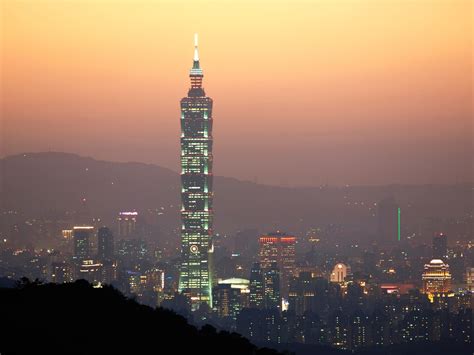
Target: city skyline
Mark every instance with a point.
(360, 92)
(338, 218)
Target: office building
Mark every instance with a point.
(105, 244)
(127, 224)
(82, 242)
(279, 248)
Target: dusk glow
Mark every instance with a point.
(238, 177)
(338, 92)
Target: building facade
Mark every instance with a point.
(440, 246)
(256, 287)
(436, 279)
(340, 273)
(231, 296)
(82, 238)
(126, 224)
(279, 248)
(105, 244)
(271, 287)
(195, 279)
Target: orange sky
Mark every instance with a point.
(306, 92)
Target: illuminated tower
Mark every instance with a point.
(196, 190)
(279, 248)
(271, 287)
(256, 286)
(82, 236)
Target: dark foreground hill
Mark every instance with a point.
(79, 319)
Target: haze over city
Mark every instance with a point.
(279, 177)
(307, 92)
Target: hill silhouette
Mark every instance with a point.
(41, 184)
(78, 319)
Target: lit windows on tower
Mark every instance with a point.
(279, 248)
(82, 239)
(196, 191)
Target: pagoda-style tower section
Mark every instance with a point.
(196, 190)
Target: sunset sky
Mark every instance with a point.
(305, 92)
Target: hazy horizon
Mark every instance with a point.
(305, 93)
(233, 177)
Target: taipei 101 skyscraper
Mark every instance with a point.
(195, 279)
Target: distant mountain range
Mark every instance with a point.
(38, 184)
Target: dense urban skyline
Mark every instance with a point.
(338, 92)
(343, 95)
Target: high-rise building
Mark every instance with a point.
(109, 271)
(469, 277)
(155, 279)
(132, 282)
(82, 240)
(256, 287)
(302, 293)
(195, 278)
(67, 234)
(61, 272)
(279, 248)
(338, 329)
(230, 297)
(271, 287)
(358, 330)
(436, 278)
(126, 224)
(133, 253)
(105, 244)
(155, 286)
(310, 293)
(440, 246)
(91, 271)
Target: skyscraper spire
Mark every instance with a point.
(196, 70)
(196, 73)
(196, 53)
(195, 278)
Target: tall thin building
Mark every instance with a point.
(196, 190)
(440, 246)
(271, 287)
(82, 236)
(256, 287)
(105, 244)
